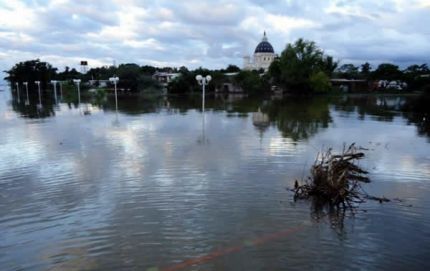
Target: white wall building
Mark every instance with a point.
(263, 56)
(164, 78)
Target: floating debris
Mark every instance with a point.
(336, 178)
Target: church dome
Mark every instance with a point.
(264, 46)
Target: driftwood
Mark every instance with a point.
(335, 178)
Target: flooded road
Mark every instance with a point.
(160, 185)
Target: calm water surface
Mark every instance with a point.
(161, 186)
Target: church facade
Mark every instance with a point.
(263, 56)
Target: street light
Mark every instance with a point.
(203, 81)
(77, 82)
(115, 80)
(55, 89)
(27, 102)
(40, 98)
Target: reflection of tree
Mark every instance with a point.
(134, 104)
(32, 110)
(299, 118)
(239, 104)
(417, 111)
(382, 108)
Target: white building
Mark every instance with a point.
(263, 56)
(164, 78)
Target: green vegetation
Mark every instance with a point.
(299, 118)
(302, 68)
(133, 78)
(251, 82)
(320, 82)
(30, 71)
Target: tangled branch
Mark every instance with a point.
(335, 178)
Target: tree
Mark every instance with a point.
(250, 81)
(387, 71)
(101, 73)
(330, 65)
(69, 74)
(320, 82)
(232, 68)
(417, 77)
(128, 74)
(133, 79)
(297, 63)
(148, 70)
(365, 70)
(184, 83)
(30, 71)
(348, 71)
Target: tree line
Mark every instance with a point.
(302, 67)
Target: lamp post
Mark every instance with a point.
(53, 82)
(115, 80)
(38, 88)
(17, 89)
(203, 81)
(27, 102)
(77, 82)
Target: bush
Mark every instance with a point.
(320, 82)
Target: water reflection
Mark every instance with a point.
(417, 111)
(32, 109)
(297, 118)
(78, 192)
(381, 108)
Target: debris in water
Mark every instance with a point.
(336, 178)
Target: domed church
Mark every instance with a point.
(263, 56)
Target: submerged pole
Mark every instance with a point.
(40, 97)
(26, 90)
(17, 89)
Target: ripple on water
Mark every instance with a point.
(77, 192)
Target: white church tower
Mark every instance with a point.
(263, 56)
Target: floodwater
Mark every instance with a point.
(161, 186)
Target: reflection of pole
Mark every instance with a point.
(115, 80)
(77, 82)
(79, 94)
(61, 90)
(203, 112)
(203, 122)
(40, 97)
(17, 89)
(203, 99)
(116, 104)
(55, 89)
(116, 98)
(26, 90)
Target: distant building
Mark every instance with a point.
(350, 85)
(99, 83)
(262, 58)
(164, 78)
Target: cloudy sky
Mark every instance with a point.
(209, 33)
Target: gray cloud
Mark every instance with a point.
(209, 33)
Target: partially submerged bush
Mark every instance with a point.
(335, 178)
